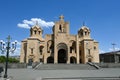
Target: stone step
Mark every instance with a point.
(84, 78)
(64, 66)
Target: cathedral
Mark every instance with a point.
(59, 47)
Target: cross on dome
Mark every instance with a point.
(37, 23)
(61, 17)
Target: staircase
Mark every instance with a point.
(64, 67)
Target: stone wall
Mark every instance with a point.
(14, 65)
(109, 65)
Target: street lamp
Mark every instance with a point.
(7, 49)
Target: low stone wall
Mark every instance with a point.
(14, 65)
(109, 65)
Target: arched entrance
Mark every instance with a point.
(30, 61)
(73, 60)
(89, 60)
(62, 56)
(62, 53)
(50, 60)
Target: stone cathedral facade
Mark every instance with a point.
(59, 47)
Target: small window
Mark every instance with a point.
(71, 49)
(31, 50)
(94, 47)
(60, 28)
(81, 34)
(35, 31)
(40, 51)
(85, 33)
(39, 32)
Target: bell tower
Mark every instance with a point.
(61, 27)
(36, 31)
(84, 32)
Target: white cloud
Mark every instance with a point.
(23, 25)
(116, 49)
(16, 52)
(101, 51)
(28, 23)
(18, 42)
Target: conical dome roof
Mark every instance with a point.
(84, 28)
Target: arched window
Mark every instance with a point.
(81, 33)
(50, 46)
(85, 33)
(89, 60)
(60, 28)
(41, 49)
(94, 47)
(39, 32)
(31, 50)
(71, 49)
(35, 31)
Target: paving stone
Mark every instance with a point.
(32, 74)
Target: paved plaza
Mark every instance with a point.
(31, 74)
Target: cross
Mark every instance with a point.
(83, 23)
(61, 17)
(36, 22)
(8, 38)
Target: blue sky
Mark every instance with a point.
(101, 16)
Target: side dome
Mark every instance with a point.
(84, 28)
(84, 32)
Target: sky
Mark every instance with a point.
(101, 16)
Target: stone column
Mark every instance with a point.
(77, 47)
(22, 54)
(45, 59)
(68, 55)
(55, 55)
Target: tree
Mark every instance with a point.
(10, 60)
(2, 59)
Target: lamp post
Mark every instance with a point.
(7, 49)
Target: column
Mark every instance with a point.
(77, 47)
(68, 55)
(45, 59)
(55, 55)
(22, 54)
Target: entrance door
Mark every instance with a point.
(50, 60)
(89, 60)
(62, 56)
(30, 61)
(73, 60)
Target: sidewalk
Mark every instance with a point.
(31, 74)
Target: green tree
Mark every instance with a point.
(10, 60)
(2, 59)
